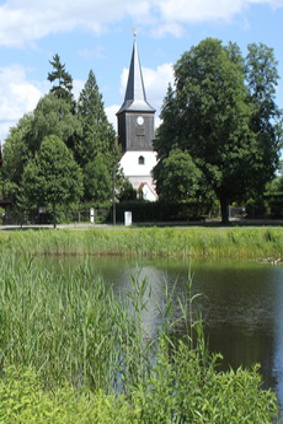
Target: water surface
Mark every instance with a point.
(241, 303)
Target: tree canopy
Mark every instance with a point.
(265, 117)
(179, 177)
(52, 178)
(98, 135)
(218, 114)
(95, 150)
(221, 130)
(53, 116)
(63, 81)
(83, 128)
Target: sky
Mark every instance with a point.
(97, 35)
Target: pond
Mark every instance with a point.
(241, 302)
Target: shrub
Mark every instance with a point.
(185, 388)
(23, 401)
(181, 388)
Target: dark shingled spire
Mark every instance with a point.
(135, 98)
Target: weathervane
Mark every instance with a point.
(134, 31)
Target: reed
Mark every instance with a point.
(69, 327)
(71, 352)
(197, 242)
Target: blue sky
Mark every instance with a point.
(97, 35)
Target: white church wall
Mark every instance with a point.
(137, 167)
(133, 166)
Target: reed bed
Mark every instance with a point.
(67, 326)
(71, 352)
(197, 242)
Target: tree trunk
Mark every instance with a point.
(224, 206)
(54, 216)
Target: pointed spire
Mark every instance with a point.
(135, 97)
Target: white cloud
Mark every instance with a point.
(18, 96)
(171, 28)
(206, 10)
(97, 52)
(111, 115)
(156, 83)
(78, 85)
(25, 22)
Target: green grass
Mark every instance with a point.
(71, 352)
(196, 242)
(65, 324)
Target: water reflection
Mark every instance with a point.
(146, 287)
(242, 305)
(277, 370)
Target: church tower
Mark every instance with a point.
(136, 131)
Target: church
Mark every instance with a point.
(136, 132)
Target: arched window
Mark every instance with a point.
(141, 160)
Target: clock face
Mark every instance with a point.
(140, 120)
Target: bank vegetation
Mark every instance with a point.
(71, 352)
(258, 243)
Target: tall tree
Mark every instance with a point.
(53, 116)
(53, 178)
(96, 149)
(97, 182)
(64, 82)
(168, 133)
(98, 135)
(16, 154)
(213, 111)
(16, 150)
(266, 118)
(179, 177)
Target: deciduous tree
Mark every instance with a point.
(52, 178)
(266, 118)
(217, 120)
(179, 178)
(16, 154)
(168, 133)
(53, 116)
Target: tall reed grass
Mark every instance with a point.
(71, 352)
(67, 326)
(198, 242)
